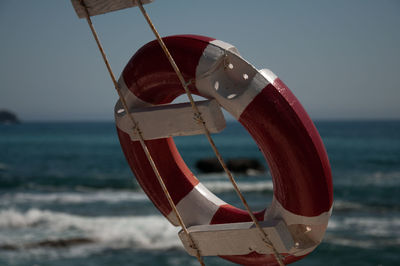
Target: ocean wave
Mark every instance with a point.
(3, 166)
(386, 206)
(107, 196)
(364, 232)
(382, 179)
(388, 227)
(144, 232)
(341, 205)
(383, 162)
(219, 186)
(361, 243)
(61, 179)
(44, 232)
(118, 196)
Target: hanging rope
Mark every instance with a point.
(141, 139)
(199, 118)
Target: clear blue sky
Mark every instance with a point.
(340, 58)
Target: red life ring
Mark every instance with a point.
(269, 111)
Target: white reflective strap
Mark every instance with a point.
(307, 232)
(131, 99)
(277, 211)
(197, 207)
(238, 238)
(268, 74)
(163, 121)
(232, 81)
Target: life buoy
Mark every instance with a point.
(269, 111)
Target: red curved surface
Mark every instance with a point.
(293, 148)
(275, 119)
(177, 177)
(150, 77)
(256, 259)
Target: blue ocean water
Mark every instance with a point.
(68, 197)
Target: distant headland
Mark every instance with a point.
(7, 117)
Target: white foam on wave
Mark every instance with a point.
(113, 196)
(376, 179)
(155, 233)
(383, 179)
(226, 186)
(373, 226)
(346, 205)
(74, 197)
(11, 218)
(360, 243)
(143, 232)
(363, 232)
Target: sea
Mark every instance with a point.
(68, 197)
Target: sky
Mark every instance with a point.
(340, 58)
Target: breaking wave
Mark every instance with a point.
(118, 196)
(55, 229)
(226, 186)
(74, 197)
(361, 243)
(372, 226)
(366, 232)
(154, 232)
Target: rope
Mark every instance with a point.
(199, 118)
(140, 135)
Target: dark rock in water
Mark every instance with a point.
(6, 117)
(243, 165)
(8, 247)
(61, 243)
(209, 165)
(56, 243)
(238, 165)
